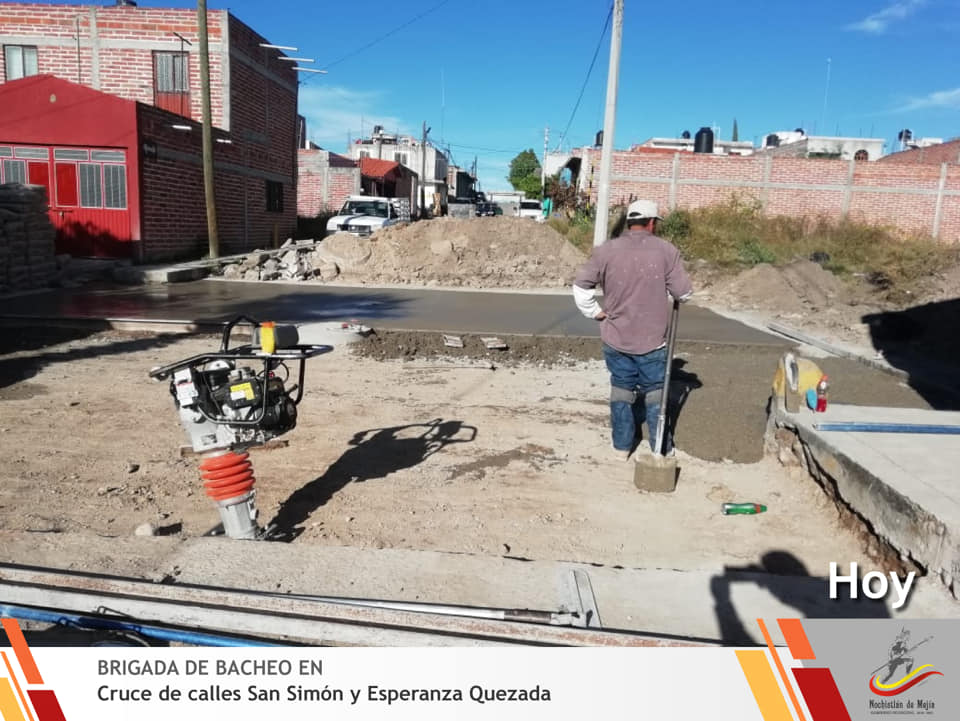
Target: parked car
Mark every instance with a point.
(361, 215)
(486, 209)
(530, 209)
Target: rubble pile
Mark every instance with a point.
(494, 252)
(27, 258)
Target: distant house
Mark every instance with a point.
(413, 155)
(797, 144)
(389, 179)
(113, 97)
(686, 145)
(460, 183)
(948, 152)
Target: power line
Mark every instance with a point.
(586, 80)
(485, 150)
(397, 29)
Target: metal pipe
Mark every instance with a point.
(889, 428)
(500, 614)
(99, 623)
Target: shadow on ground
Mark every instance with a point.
(24, 367)
(923, 341)
(374, 453)
(785, 577)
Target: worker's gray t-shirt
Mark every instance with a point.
(636, 270)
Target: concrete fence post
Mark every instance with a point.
(765, 187)
(674, 179)
(848, 189)
(938, 213)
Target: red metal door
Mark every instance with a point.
(88, 202)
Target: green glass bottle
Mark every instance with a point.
(732, 509)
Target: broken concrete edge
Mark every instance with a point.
(196, 269)
(912, 532)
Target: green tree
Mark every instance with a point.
(525, 174)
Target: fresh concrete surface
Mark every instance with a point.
(709, 604)
(904, 485)
(207, 301)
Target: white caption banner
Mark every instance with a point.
(397, 683)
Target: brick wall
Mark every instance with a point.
(116, 47)
(921, 198)
(173, 224)
(948, 152)
(325, 180)
(253, 100)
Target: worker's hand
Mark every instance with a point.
(600, 316)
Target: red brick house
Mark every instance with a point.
(135, 71)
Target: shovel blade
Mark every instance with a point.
(656, 474)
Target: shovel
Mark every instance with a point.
(658, 473)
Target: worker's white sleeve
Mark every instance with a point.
(586, 301)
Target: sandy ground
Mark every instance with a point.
(426, 454)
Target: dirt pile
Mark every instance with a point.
(495, 252)
(797, 287)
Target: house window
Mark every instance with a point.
(364, 153)
(400, 158)
(861, 155)
(91, 188)
(171, 82)
(274, 196)
(14, 171)
(115, 186)
(20, 60)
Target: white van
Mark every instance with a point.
(530, 209)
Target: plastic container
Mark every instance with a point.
(742, 509)
(822, 387)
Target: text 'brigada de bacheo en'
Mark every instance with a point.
(206, 667)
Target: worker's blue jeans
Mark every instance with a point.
(642, 376)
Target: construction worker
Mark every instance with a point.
(636, 270)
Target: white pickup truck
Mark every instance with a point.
(363, 214)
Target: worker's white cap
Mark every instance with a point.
(643, 209)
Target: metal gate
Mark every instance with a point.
(87, 191)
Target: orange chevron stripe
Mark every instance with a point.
(13, 677)
(9, 708)
(783, 674)
(796, 638)
(763, 684)
(20, 647)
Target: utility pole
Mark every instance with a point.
(543, 165)
(208, 189)
(423, 168)
(609, 123)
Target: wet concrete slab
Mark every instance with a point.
(214, 301)
(903, 484)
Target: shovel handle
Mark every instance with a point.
(665, 395)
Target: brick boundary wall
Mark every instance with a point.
(920, 198)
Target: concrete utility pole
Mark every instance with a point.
(208, 188)
(543, 165)
(609, 123)
(423, 168)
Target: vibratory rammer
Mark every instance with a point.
(226, 405)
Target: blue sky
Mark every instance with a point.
(489, 75)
